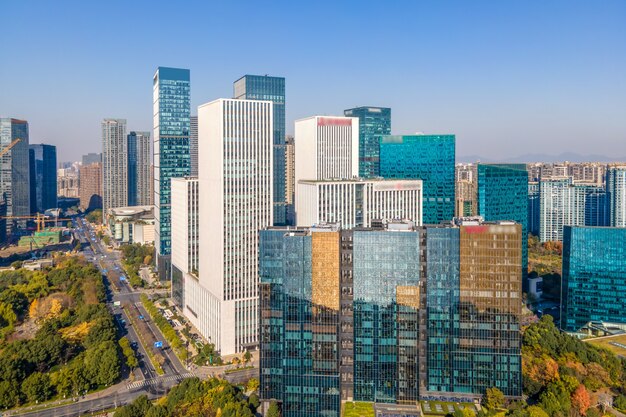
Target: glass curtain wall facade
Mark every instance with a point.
(594, 276)
(43, 177)
(503, 195)
(429, 158)
(374, 122)
(341, 313)
(264, 87)
(14, 170)
(171, 101)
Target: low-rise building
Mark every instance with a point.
(132, 224)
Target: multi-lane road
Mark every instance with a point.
(146, 381)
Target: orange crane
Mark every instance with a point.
(40, 219)
(9, 146)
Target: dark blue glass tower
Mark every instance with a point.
(264, 87)
(132, 169)
(594, 276)
(374, 122)
(43, 178)
(503, 195)
(426, 157)
(171, 96)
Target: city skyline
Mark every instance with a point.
(550, 81)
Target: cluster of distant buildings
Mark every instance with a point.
(363, 265)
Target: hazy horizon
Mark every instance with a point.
(508, 79)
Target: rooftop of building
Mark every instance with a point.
(131, 210)
(362, 180)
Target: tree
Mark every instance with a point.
(494, 398)
(9, 395)
(463, 412)
(581, 400)
(273, 410)
(253, 402)
(253, 384)
(534, 411)
(620, 402)
(247, 356)
(37, 387)
(102, 363)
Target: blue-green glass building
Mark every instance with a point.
(43, 177)
(171, 99)
(594, 276)
(502, 194)
(341, 311)
(264, 87)
(426, 157)
(374, 122)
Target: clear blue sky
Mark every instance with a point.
(507, 77)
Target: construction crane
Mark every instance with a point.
(9, 146)
(40, 219)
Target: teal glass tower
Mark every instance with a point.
(171, 98)
(502, 194)
(426, 157)
(264, 87)
(374, 122)
(594, 276)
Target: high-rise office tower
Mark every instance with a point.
(374, 122)
(43, 178)
(327, 147)
(358, 202)
(90, 188)
(594, 277)
(92, 158)
(290, 179)
(534, 214)
(114, 165)
(235, 143)
(465, 183)
(616, 193)
(502, 194)
(14, 169)
(264, 87)
(171, 100)
(426, 157)
(193, 145)
(389, 315)
(185, 262)
(139, 159)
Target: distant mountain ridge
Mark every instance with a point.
(538, 157)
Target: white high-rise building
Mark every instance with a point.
(235, 140)
(193, 144)
(356, 203)
(114, 164)
(616, 192)
(561, 204)
(326, 147)
(185, 245)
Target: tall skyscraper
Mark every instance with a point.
(92, 158)
(534, 212)
(193, 145)
(235, 187)
(594, 277)
(374, 122)
(503, 195)
(185, 245)
(358, 202)
(264, 87)
(43, 178)
(15, 169)
(139, 160)
(171, 99)
(426, 157)
(326, 148)
(561, 204)
(616, 193)
(114, 164)
(90, 188)
(389, 315)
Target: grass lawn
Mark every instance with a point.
(605, 342)
(441, 408)
(357, 409)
